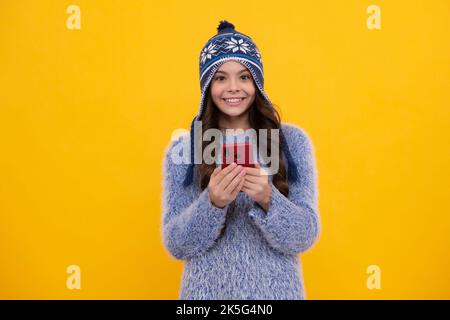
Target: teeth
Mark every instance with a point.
(233, 100)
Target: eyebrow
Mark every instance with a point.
(243, 70)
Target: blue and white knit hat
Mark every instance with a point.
(229, 44)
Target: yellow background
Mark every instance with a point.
(85, 116)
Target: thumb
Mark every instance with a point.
(262, 171)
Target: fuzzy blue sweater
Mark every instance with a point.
(240, 251)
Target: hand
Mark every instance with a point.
(225, 184)
(257, 187)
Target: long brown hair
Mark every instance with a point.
(262, 115)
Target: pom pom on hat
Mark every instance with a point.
(225, 27)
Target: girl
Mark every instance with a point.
(239, 230)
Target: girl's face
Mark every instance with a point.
(233, 81)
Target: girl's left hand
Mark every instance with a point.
(256, 186)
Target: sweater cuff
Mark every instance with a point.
(204, 196)
(259, 215)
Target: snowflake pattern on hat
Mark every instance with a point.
(236, 45)
(207, 53)
(229, 44)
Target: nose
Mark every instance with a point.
(233, 86)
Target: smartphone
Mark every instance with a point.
(240, 152)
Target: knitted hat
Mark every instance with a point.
(229, 44)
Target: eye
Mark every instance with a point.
(248, 77)
(219, 77)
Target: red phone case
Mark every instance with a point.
(241, 153)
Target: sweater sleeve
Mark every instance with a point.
(291, 225)
(191, 223)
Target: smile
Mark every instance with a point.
(233, 102)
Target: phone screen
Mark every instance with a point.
(239, 152)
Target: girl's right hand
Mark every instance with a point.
(225, 184)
